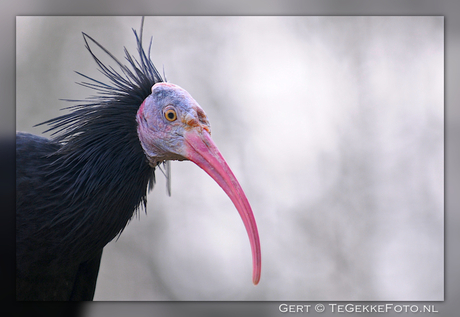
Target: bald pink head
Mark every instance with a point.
(172, 126)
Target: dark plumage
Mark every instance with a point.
(78, 172)
(78, 191)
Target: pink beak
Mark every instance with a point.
(203, 152)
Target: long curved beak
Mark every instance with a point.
(201, 150)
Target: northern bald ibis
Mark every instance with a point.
(78, 190)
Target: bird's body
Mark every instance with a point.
(77, 191)
(58, 235)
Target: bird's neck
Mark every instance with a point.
(106, 184)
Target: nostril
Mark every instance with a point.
(201, 116)
(203, 119)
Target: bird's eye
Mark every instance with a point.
(170, 114)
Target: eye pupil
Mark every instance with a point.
(170, 115)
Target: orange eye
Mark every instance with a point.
(170, 114)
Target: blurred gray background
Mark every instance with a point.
(333, 126)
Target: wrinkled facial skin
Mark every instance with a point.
(162, 138)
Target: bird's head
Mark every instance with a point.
(168, 120)
(172, 126)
